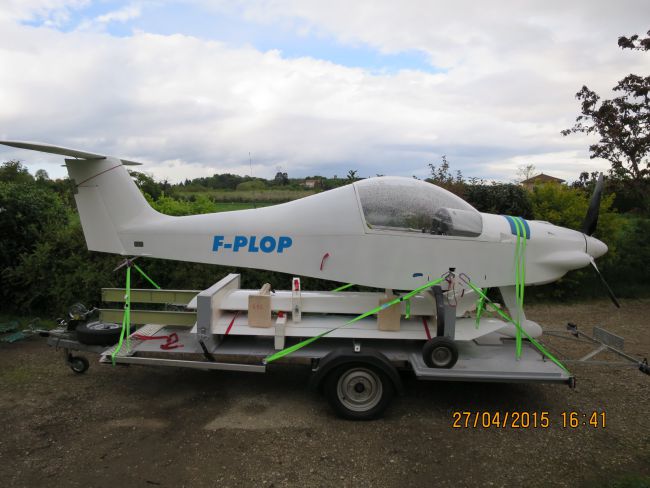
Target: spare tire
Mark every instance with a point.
(99, 333)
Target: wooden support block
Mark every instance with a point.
(279, 331)
(259, 308)
(389, 319)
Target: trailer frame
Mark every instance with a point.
(346, 367)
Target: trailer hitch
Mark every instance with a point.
(644, 367)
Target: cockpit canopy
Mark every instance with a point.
(410, 205)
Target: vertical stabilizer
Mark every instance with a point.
(108, 201)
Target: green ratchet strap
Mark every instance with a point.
(407, 311)
(520, 275)
(300, 345)
(145, 276)
(505, 316)
(344, 287)
(126, 318)
(480, 307)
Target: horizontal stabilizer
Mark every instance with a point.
(63, 151)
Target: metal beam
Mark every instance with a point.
(184, 363)
(176, 297)
(149, 317)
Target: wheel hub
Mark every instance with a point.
(103, 326)
(441, 356)
(359, 389)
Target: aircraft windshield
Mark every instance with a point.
(410, 205)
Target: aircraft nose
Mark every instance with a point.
(595, 248)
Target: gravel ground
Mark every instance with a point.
(140, 426)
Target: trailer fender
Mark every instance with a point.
(345, 355)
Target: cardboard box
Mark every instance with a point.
(259, 308)
(389, 318)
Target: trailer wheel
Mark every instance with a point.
(358, 391)
(99, 333)
(78, 364)
(440, 352)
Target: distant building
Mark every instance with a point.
(311, 184)
(540, 179)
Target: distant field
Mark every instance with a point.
(228, 206)
(263, 196)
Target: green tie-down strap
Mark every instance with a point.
(126, 318)
(520, 275)
(145, 276)
(384, 306)
(520, 329)
(480, 307)
(344, 287)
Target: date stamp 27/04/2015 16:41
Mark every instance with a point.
(527, 420)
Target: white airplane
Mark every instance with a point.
(387, 232)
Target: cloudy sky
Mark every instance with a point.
(190, 88)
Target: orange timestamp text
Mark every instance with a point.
(527, 420)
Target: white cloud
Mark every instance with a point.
(190, 107)
(52, 12)
(124, 14)
(101, 22)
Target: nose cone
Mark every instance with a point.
(595, 248)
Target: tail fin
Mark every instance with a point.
(107, 198)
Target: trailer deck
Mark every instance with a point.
(223, 338)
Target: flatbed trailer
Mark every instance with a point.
(356, 366)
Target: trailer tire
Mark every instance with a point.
(440, 352)
(358, 391)
(78, 364)
(99, 333)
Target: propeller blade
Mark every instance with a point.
(609, 290)
(591, 219)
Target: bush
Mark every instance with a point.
(58, 272)
(28, 215)
(501, 199)
(251, 185)
(567, 207)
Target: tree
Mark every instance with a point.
(633, 42)
(281, 178)
(147, 184)
(586, 181)
(14, 172)
(524, 172)
(442, 176)
(41, 175)
(622, 123)
(352, 175)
